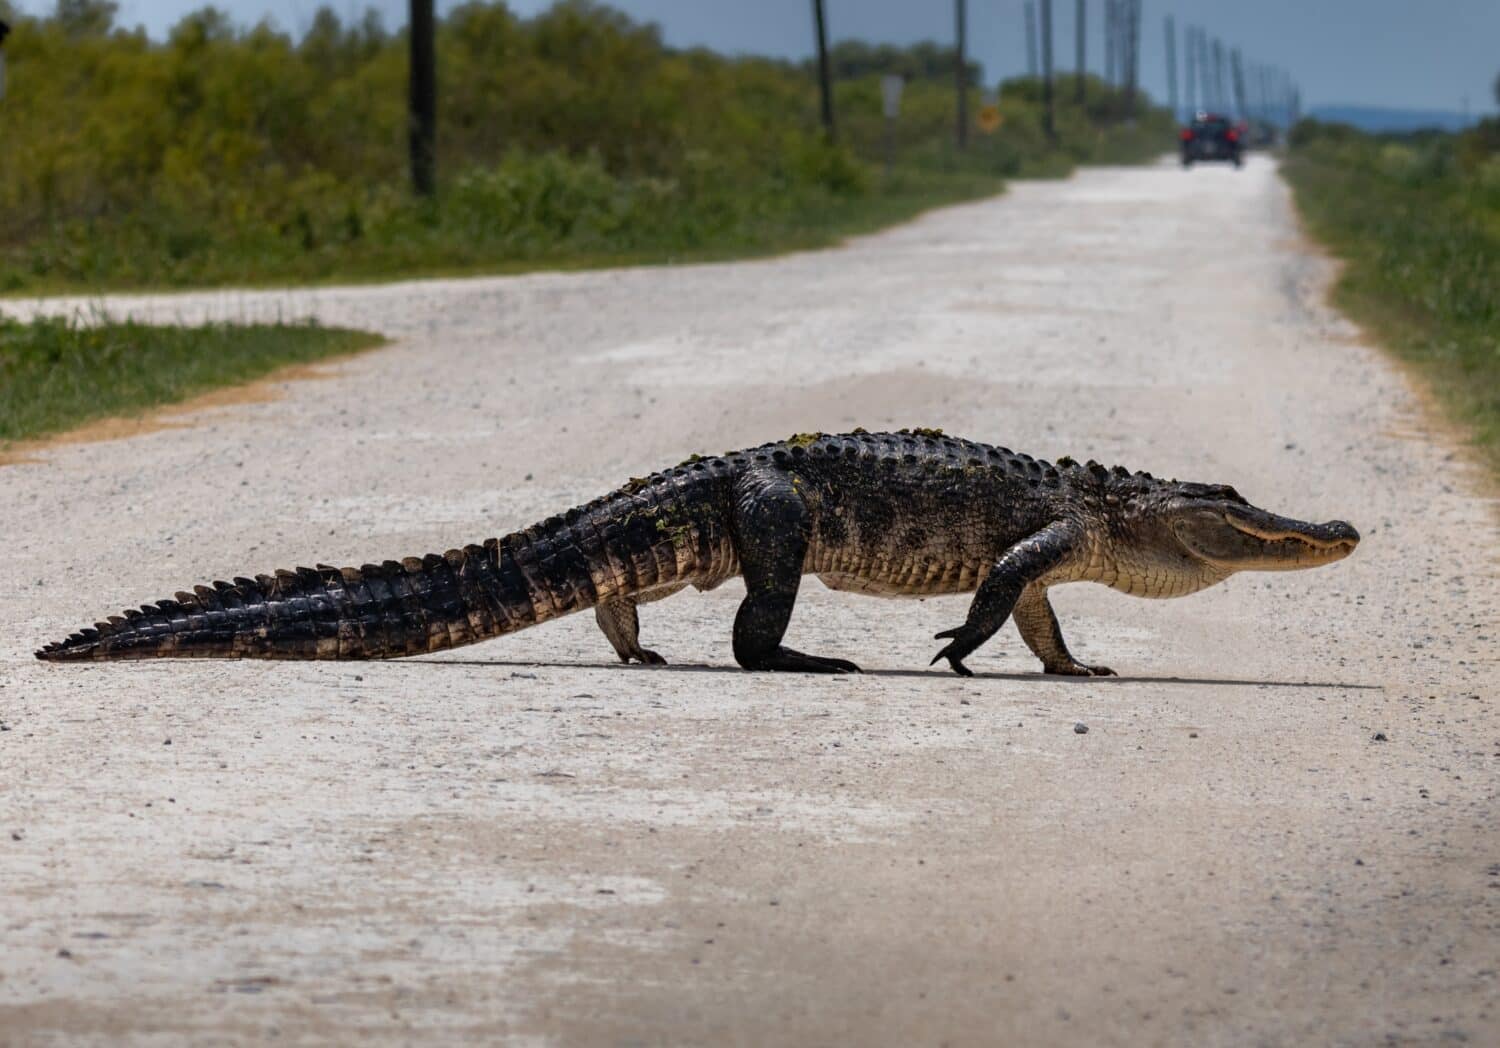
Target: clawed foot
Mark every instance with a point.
(788, 661)
(964, 639)
(1078, 669)
(645, 656)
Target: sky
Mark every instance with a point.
(1417, 54)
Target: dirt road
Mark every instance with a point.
(524, 839)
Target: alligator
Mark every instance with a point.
(913, 513)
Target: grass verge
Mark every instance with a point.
(504, 221)
(1417, 224)
(56, 374)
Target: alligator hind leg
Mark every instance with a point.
(622, 625)
(1039, 629)
(772, 526)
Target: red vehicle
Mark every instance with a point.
(1212, 137)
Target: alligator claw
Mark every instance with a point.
(842, 665)
(962, 640)
(1079, 669)
(953, 660)
(789, 661)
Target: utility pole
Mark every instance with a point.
(1081, 22)
(1238, 72)
(1200, 63)
(1205, 72)
(825, 79)
(1111, 49)
(1031, 63)
(1172, 66)
(4, 32)
(1048, 123)
(1212, 90)
(422, 85)
(1189, 69)
(961, 73)
(1132, 52)
(1221, 96)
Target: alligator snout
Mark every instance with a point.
(1269, 527)
(1333, 535)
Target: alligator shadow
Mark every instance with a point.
(916, 674)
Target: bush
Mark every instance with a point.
(227, 155)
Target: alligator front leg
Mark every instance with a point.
(1039, 629)
(1018, 567)
(771, 526)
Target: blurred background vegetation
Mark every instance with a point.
(1416, 218)
(228, 154)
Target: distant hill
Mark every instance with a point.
(1375, 118)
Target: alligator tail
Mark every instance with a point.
(377, 611)
(640, 539)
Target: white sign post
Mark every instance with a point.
(890, 93)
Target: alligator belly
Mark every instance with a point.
(934, 583)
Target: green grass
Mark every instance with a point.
(541, 212)
(1417, 224)
(499, 222)
(547, 211)
(56, 374)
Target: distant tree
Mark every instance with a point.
(205, 26)
(334, 49)
(86, 17)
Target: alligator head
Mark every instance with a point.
(1176, 538)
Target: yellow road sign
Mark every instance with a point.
(989, 119)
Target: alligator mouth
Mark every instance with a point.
(1335, 535)
(1299, 539)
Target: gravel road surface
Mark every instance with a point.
(1282, 825)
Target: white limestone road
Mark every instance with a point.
(1280, 828)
